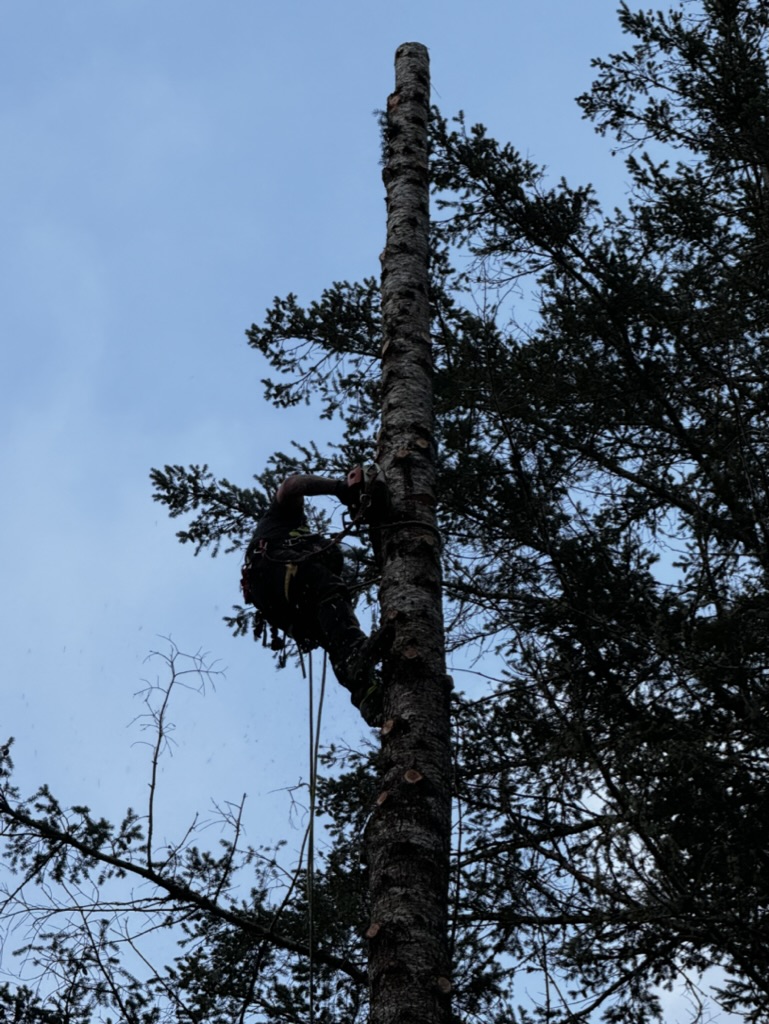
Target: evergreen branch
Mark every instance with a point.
(177, 891)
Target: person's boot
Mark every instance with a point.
(368, 653)
(368, 699)
(366, 684)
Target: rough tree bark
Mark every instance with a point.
(408, 834)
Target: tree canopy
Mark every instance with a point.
(603, 503)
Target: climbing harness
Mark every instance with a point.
(368, 501)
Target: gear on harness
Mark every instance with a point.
(293, 577)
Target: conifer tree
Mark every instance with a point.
(603, 507)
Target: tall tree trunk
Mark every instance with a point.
(408, 834)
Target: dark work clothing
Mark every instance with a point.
(280, 522)
(293, 578)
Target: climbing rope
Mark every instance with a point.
(314, 754)
(308, 842)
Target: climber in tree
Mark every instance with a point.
(294, 578)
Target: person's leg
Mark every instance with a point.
(325, 610)
(311, 603)
(332, 622)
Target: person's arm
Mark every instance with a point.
(295, 488)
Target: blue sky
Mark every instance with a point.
(168, 167)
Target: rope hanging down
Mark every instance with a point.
(314, 753)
